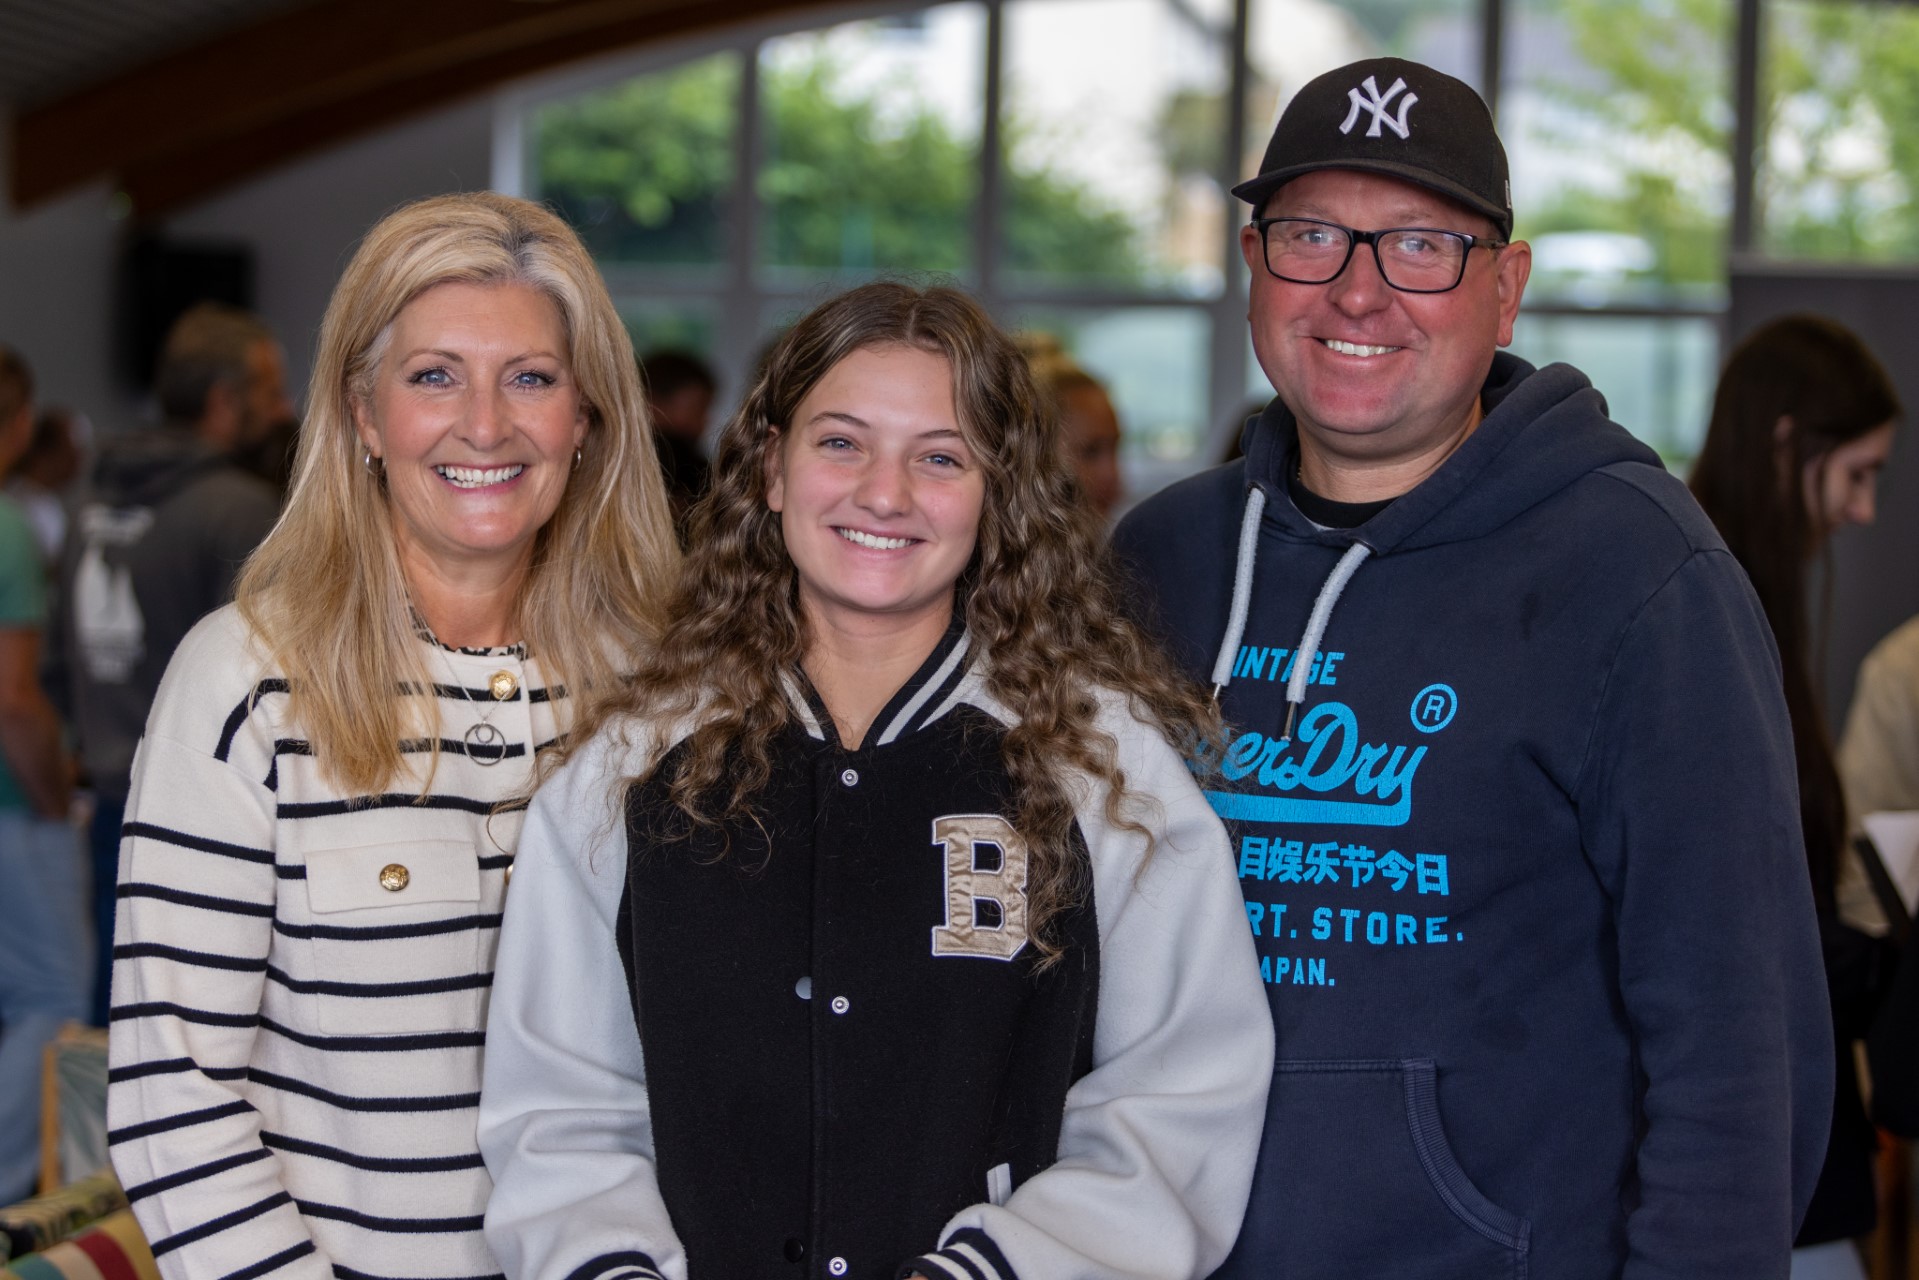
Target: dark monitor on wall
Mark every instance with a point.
(160, 279)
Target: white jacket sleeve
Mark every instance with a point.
(1159, 1138)
(564, 1123)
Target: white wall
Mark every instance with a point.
(301, 222)
(56, 292)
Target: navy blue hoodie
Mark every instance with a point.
(1526, 875)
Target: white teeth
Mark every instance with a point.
(874, 540)
(1354, 349)
(476, 477)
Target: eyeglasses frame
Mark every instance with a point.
(1355, 238)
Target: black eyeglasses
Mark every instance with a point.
(1410, 259)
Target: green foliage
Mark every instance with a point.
(1661, 91)
(845, 186)
(642, 170)
(1844, 82)
(1841, 85)
(853, 181)
(1190, 132)
(1057, 227)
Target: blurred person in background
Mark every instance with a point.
(39, 481)
(1088, 425)
(679, 390)
(159, 528)
(1089, 433)
(325, 810)
(43, 933)
(272, 456)
(1802, 422)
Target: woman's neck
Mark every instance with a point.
(467, 610)
(857, 669)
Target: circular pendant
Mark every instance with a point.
(484, 743)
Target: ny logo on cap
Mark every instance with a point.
(1375, 102)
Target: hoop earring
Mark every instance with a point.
(366, 460)
(576, 458)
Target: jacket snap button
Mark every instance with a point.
(851, 777)
(837, 1266)
(795, 1249)
(841, 1004)
(803, 988)
(394, 877)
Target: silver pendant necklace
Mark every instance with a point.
(485, 744)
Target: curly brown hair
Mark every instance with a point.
(1038, 594)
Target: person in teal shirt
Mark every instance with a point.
(43, 931)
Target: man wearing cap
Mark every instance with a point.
(1509, 780)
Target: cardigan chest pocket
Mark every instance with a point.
(397, 944)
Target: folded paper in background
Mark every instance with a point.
(1894, 837)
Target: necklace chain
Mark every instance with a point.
(485, 744)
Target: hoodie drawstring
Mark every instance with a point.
(1322, 613)
(1242, 588)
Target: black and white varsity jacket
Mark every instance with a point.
(831, 1052)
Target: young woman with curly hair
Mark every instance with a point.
(885, 930)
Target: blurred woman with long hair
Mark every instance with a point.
(1802, 422)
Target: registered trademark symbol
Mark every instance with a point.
(1434, 707)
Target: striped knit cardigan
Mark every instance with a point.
(301, 977)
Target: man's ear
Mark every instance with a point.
(1251, 249)
(1515, 268)
(775, 471)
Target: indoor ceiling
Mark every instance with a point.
(173, 100)
(50, 48)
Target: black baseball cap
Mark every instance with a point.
(1394, 117)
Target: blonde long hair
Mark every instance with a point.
(326, 592)
(1038, 595)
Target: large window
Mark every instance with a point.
(1841, 148)
(871, 145)
(1070, 162)
(1618, 120)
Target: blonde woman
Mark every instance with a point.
(908, 943)
(325, 807)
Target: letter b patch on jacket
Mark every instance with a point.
(985, 904)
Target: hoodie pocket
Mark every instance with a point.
(1356, 1179)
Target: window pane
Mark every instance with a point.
(644, 170)
(1289, 42)
(872, 146)
(1617, 118)
(655, 325)
(1153, 361)
(1841, 150)
(1657, 374)
(1113, 123)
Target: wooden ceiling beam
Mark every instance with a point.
(187, 125)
